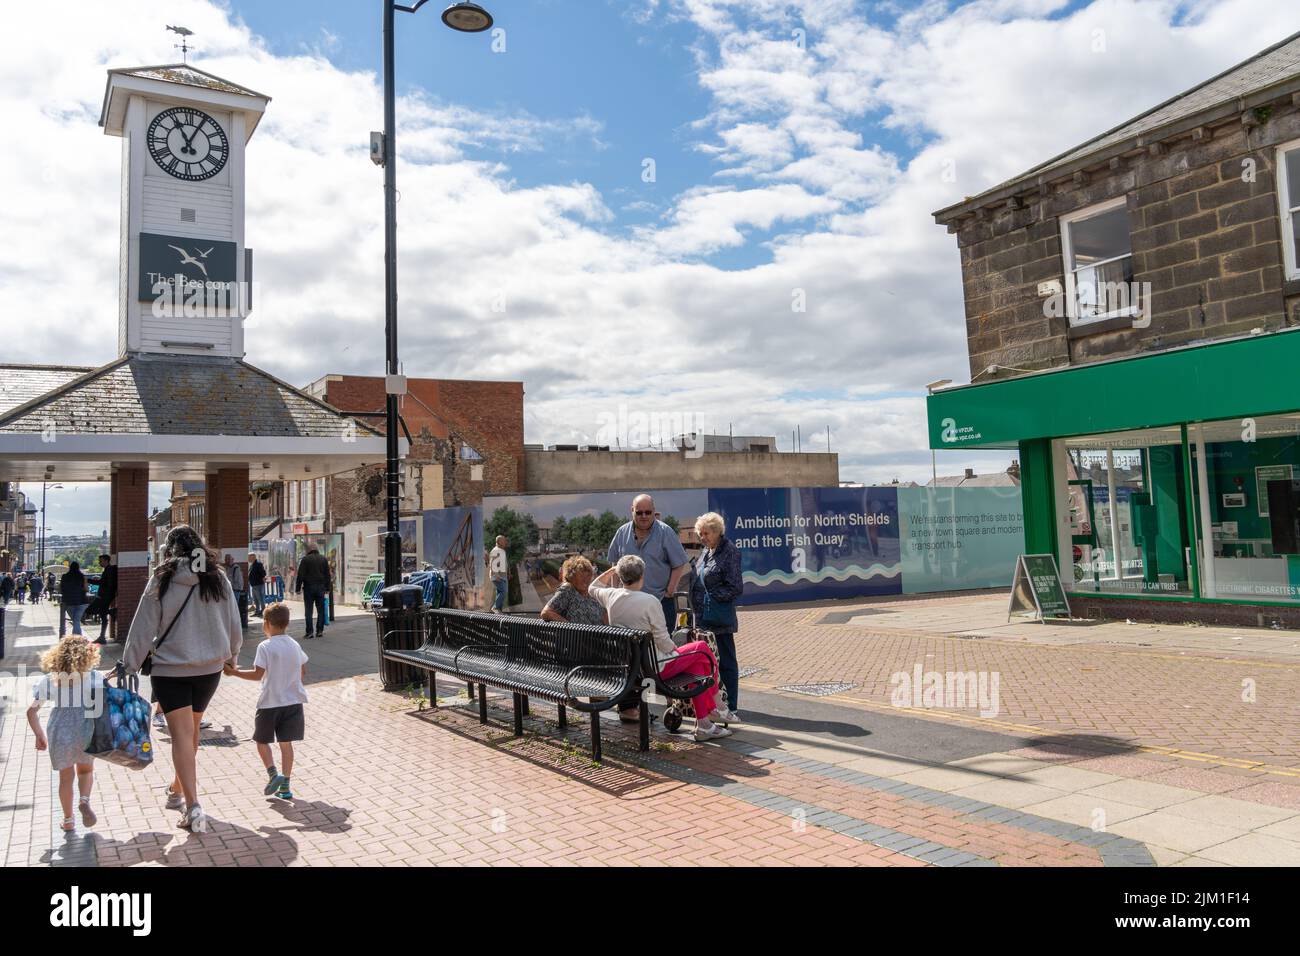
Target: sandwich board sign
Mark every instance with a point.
(1037, 590)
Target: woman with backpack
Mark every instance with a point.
(184, 633)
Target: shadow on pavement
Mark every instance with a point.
(312, 816)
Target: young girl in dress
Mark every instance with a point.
(70, 677)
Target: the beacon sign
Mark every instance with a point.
(172, 266)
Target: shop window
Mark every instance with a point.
(1098, 263)
(1122, 502)
(1288, 191)
(1249, 497)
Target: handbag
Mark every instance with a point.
(718, 615)
(120, 733)
(146, 668)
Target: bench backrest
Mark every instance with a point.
(534, 641)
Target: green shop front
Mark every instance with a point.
(1166, 485)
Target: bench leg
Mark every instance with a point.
(524, 699)
(519, 715)
(595, 736)
(470, 685)
(643, 740)
(482, 703)
(433, 689)
(564, 716)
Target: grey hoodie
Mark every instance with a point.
(207, 635)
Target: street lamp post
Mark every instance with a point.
(466, 18)
(934, 462)
(40, 552)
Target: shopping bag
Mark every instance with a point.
(121, 726)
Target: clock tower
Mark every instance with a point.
(185, 274)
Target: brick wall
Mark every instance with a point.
(442, 416)
(1204, 236)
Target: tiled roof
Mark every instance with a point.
(177, 395)
(996, 480)
(187, 75)
(20, 384)
(1267, 68)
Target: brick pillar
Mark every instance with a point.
(227, 510)
(129, 540)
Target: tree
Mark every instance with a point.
(673, 523)
(582, 531)
(607, 526)
(559, 531)
(531, 531)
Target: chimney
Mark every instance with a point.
(1014, 470)
(970, 473)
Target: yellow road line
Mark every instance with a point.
(1235, 762)
(1112, 648)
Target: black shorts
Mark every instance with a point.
(174, 693)
(283, 724)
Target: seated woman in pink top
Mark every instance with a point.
(629, 606)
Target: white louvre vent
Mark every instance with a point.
(187, 215)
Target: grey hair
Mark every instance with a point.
(631, 569)
(710, 520)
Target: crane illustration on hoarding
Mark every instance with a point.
(461, 564)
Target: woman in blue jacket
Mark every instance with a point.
(714, 589)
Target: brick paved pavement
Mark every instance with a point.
(382, 781)
(1169, 688)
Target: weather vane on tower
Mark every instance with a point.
(184, 33)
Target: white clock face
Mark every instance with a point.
(188, 143)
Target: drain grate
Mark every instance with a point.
(751, 671)
(823, 689)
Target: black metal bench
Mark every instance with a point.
(561, 663)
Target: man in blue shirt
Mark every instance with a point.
(658, 546)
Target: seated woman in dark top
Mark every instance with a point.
(571, 603)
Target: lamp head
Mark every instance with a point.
(467, 17)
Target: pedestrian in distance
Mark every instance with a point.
(499, 570)
(280, 664)
(6, 588)
(106, 600)
(236, 575)
(187, 626)
(72, 598)
(314, 581)
(35, 585)
(69, 683)
(257, 583)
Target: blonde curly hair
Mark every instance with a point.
(574, 566)
(72, 655)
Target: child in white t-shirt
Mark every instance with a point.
(281, 665)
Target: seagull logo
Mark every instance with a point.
(189, 260)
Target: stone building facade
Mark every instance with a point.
(1201, 196)
(1132, 313)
